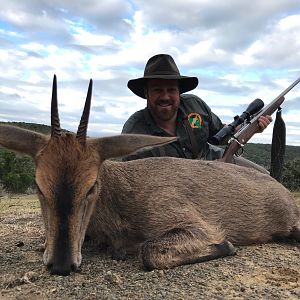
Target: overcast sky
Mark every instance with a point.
(239, 50)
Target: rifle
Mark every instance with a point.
(249, 127)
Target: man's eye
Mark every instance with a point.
(92, 190)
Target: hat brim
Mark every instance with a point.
(186, 83)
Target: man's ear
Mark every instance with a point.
(124, 144)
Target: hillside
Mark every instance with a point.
(45, 129)
(261, 153)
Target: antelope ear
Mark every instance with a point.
(21, 140)
(124, 144)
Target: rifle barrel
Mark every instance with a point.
(283, 93)
(289, 88)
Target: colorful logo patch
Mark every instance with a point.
(195, 120)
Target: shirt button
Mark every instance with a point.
(183, 148)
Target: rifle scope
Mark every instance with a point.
(254, 107)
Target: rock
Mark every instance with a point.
(113, 278)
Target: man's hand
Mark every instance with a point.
(263, 122)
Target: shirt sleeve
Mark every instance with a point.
(216, 124)
(135, 124)
(129, 126)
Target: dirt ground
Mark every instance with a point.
(258, 272)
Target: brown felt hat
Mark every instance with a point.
(161, 66)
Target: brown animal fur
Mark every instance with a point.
(170, 211)
(209, 201)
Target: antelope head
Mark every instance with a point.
(67, 178)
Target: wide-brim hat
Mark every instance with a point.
(161, 66)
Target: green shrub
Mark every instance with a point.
(16, 172)
(291, 175)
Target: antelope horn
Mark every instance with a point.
(82, 128)
(55, 125)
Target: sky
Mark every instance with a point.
(239, 50)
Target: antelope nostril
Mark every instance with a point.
(62, 270)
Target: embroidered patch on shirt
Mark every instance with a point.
(195, 120)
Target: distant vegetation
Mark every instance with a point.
(31, 126)
(17, 172)
(261, 153)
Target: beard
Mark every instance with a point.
(164, 110)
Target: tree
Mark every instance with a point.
(16, 172)
(291, 175)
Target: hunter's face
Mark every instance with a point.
(163, 98)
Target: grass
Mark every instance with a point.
(19, 203)
(297, 194)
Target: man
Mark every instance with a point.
(169, 112)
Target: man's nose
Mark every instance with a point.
(165, 94)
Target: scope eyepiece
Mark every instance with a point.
(222, 134)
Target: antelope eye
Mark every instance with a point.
(38, 190)
(92, 190)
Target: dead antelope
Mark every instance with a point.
(169, 211)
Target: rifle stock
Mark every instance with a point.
(240, 138)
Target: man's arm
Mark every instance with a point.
(135, 125)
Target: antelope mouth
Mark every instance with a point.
(61, 270)
(62, 264)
